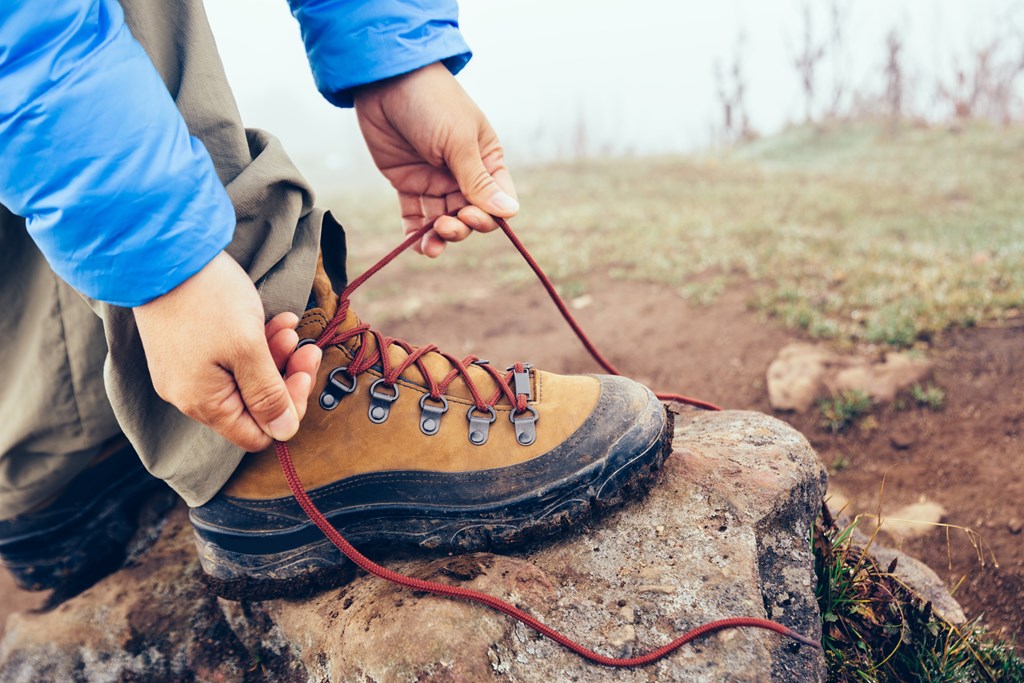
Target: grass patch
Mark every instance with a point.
(844, 409)
(861, 233)
(929, 396)
(875, 630)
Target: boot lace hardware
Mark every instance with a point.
(430, 415)
(337, 388)
(480, 426)
(380, 401)
(331, 336)
(526, 427)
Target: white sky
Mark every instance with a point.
(638, 74)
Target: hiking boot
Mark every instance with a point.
(406, 446)
(80, 535)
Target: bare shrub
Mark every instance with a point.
(731, 90)
(985, 87)
(895, 76)
(839, 16)
(807, 60)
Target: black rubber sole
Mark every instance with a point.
(319, 565)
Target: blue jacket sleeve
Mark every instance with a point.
(354, 42)
(122, 201)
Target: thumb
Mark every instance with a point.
(264, 392)
(476, 183)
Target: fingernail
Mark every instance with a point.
(284, 426)
(504, 202)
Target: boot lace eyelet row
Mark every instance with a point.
(514, 385)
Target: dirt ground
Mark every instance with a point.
(966, 457)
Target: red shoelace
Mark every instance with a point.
(363, 360)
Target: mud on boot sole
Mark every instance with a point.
(243, 573)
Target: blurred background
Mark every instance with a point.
(567, 79)
(739, 199)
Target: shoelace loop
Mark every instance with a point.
(363, 360)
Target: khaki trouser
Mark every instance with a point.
(72, 372)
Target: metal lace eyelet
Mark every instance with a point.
(430, 415)
(480, 426)
(380, 401)
(337, 389)
(526, 427)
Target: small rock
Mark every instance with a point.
(1015, 526)
(882, 381)
(803, 372)
(657, 588)
(795, 377)
(627, 614)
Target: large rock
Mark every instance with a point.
(725, 533)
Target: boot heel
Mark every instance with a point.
(296, 573)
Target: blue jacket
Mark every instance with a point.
(121, 200)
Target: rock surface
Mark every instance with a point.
(802, 373)
(725, 533)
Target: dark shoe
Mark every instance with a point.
(410, 460)
(81, 535)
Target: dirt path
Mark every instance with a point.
(968, 457)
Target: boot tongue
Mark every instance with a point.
(312, 324)
(322, 292)
(315, 320)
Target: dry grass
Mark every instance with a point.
(860, 232)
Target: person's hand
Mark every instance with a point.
(438, 150)
(211, 356)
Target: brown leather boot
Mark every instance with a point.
(407, 446)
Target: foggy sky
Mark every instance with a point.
(638, 74)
